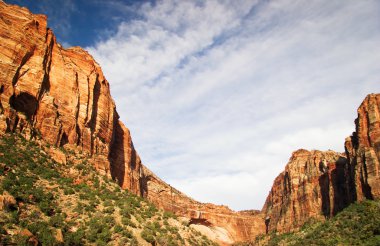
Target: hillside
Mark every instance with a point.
(69, 203)
(358, 224)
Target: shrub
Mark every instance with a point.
(168, 214)
(148, 236)
(74, 238)
(56, 221)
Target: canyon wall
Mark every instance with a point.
(62, 97)
(319, 184)
(225, 223)
(363, 151)
(313, 185)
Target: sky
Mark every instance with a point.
(218, 94)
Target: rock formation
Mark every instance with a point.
(363, 151)
(62, 97)
(319, 184)
(238, 226)
(313, 185)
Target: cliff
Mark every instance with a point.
(223, 224)
(313, 185)
(62, 97)
(318, 184)
(363, 151)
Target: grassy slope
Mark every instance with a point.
(74, 201)
(358, 224)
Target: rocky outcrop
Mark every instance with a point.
(7, 202)
(239, 226)
(61, 96)
(313, 185)
(363, 150)
(319, 184)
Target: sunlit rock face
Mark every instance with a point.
(363, 150)
(313, 185)
(238, 226)
(318, 184)
(60, 95)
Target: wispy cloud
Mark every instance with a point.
(218, 93)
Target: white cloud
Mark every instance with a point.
(217, 94)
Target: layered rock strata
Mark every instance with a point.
(239, 226)
(363, 151)
(62, 97)
(319, 184)
(313, 185)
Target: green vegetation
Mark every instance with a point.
(358, 224)
(71, 204)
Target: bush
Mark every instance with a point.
(148, 236)
(99, 229)
(74, 238)
(128, 222)
(43, 232)
(168, 214)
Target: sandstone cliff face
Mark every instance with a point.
(319, 184)
(363, 151)
(313, 185)
(237, 226)
(60, 95)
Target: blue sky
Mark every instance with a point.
(218, 94)
(83, 22)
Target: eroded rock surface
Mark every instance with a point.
(363, 150)
(239, 226)
(61, 96)
(319, 184)
(313, 185)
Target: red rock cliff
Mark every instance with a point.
(319, 184)
(312, 185)
(363, 150)
(236, 226)
(60, 95)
